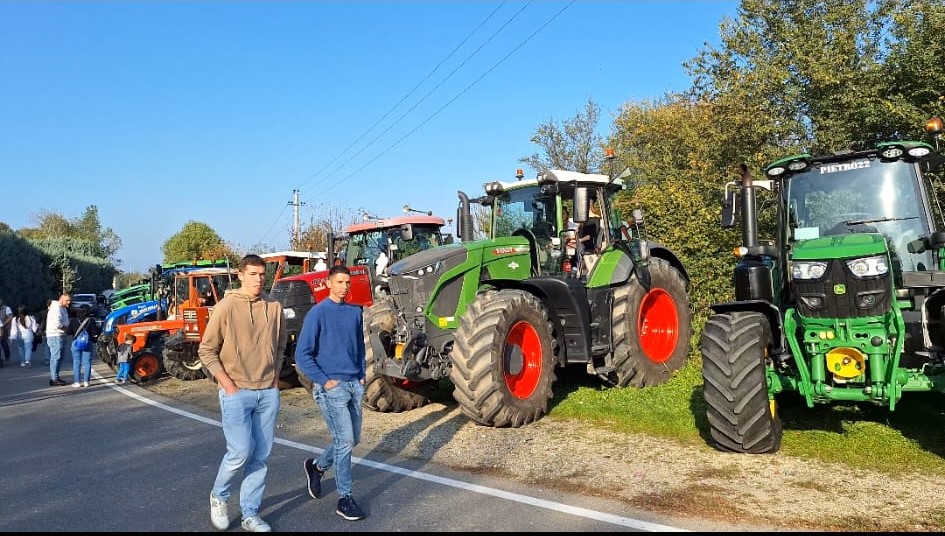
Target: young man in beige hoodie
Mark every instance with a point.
(242, 349)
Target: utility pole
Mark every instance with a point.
(297, 228)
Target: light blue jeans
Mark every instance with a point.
(25, 344)
(57, 346)
(83, 359)
(249, 426)
(341, 408)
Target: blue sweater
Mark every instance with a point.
(331, 343)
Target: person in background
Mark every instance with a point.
(320, 264)
(82, 357)
(588, 236)
(6, 319)
(330, 351)
(23, 331)
(57, 322)
(242, 350)
(123, 358)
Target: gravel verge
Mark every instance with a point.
(650, 473)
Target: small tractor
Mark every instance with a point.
(845, 305)
(498, 316)
(364, 243)
(156, 348)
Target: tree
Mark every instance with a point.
(87, 228)
(326, 218)
(195, 241)
(573, 145)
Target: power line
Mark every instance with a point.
(409, 93)
(451, 101)
(266, 234)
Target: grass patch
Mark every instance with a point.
(909, 439)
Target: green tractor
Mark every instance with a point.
(498, 316)
(845, 305)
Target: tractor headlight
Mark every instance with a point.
(868, 266)
(808, 269)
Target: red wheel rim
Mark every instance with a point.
(522, 360)
(146, 365)
(658, 325)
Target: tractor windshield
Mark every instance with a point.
(364, 248)
(860, 196)
(525, 209)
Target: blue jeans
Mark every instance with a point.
(83, 358)
(123, 370)
(56, 348)
(26, 348)
(341, 408)
(249, 426)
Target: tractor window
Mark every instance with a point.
(424, 237)
(526, 209)
(861, 196)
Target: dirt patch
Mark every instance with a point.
(650, 473)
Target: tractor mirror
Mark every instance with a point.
(937, 240)
(582, 196)
(728, 208)
(406, 232)
(916, 246)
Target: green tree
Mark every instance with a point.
(573, 144)
(196, 240)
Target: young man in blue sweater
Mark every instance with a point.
(330, 351)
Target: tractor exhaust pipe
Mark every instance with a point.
(749, 215)
(464, 221)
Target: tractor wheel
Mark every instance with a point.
(741, 417)
(651, 327)
(147, 364)
(503, 359)
(183, 370)
(107, 350)
(384, 393)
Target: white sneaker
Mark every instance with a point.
(76, 384)
(85, 384)
(219, 515)
(255, 524)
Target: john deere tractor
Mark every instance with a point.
(845, 304)
(498, 316)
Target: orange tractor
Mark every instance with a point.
(187, 292)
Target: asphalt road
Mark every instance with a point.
(118, 458)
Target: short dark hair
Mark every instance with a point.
(340, 269)
(251, 260)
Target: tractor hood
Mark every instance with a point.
(845, 246)
(456, 253)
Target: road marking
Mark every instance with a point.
(628, 522)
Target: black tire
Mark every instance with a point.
(652, 327)
(148, 364)
(180, 358)
(383, 393)
(503, 359)
(107, 350)
(734, 353)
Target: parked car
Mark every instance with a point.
(78, 300)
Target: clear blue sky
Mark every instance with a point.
(164, 112)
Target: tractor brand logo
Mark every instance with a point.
(513, 265)
(509, 250)
(839, 289)
(847, 166)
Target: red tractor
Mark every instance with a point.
(370, 248)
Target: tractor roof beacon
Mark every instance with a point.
(846, 304)
(498, 316)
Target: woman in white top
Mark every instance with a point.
(22, 332)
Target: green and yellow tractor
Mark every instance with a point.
(845, 305)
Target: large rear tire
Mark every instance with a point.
(503, 359)
(734, 353)
(382, 393)
(180, 358)
(107, 350)
(652, 327)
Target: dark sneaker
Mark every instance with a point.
(349, 509)
(314, 476)
(60, 382)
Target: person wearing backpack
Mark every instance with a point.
(82, 343)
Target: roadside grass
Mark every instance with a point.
(909, 439)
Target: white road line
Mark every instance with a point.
(475, 488)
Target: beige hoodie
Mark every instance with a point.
(246, 337)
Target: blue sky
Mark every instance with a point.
(164, 112)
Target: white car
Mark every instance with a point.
(78, 300)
